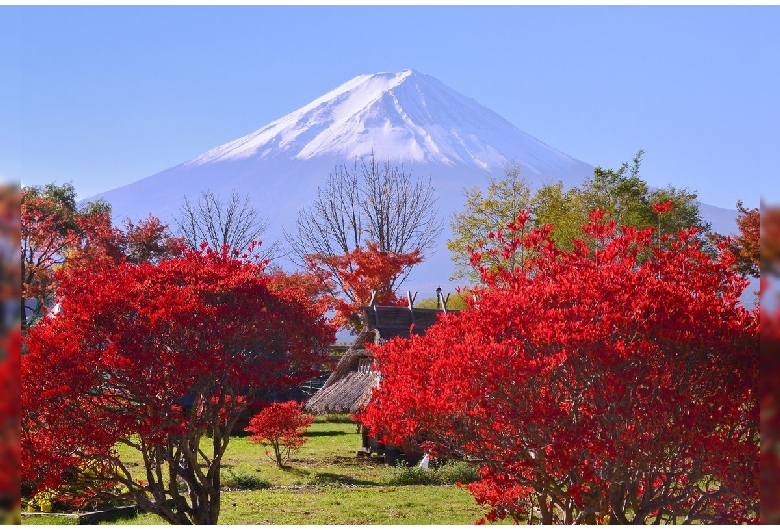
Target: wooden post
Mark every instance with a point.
(372, 303)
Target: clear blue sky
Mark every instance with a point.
(103, 96)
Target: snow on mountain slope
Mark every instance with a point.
(406, 117)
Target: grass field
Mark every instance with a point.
(325, 483)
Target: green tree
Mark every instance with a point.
(629, 200)
(621, 192)
(561, 208)
(455, 301)
(485, 212)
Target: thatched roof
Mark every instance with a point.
(349, 387)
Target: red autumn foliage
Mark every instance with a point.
(48, 229)
(358, 275)
(770, 411)
(155, 357)
(312, 286)
(10, 415)
(149, 241)
(103, 245)
(769, 388)
(282, 425)
(746, 245)
(662, 207)
(593, 385)
(56, 235)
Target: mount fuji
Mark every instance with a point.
(407, 118)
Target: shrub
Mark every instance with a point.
(455, 471)
(450, 472)
(333, 417)
(42, 501)
(401, 475)
(281, 425)
(245, 481)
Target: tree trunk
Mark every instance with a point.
(545, 511)
(23, 315)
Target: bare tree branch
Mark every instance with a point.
(235, 223)
(371, 201)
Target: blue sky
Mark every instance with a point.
(103, 96)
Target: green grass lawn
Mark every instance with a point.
(341, 505)
(328, 457)
(324, 483)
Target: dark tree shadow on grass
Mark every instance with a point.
(324, 478)
(321, 478)
(325, 433)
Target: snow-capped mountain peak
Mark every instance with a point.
(405, 116)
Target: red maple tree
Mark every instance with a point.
(145, 241)
(103, 245)
(50, 225)
(359, 275)
(591, 385)
(10, 415)
(769, 388)
(770, 406)
(161, 358)
(282, 425)
(55, 235)
(745, 244)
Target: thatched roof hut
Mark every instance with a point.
(349, 387)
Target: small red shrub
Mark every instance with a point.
(281, 425)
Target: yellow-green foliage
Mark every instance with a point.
(456, 301)
(621, 192)
(90, 476)
(43, 501)
(504, 199)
